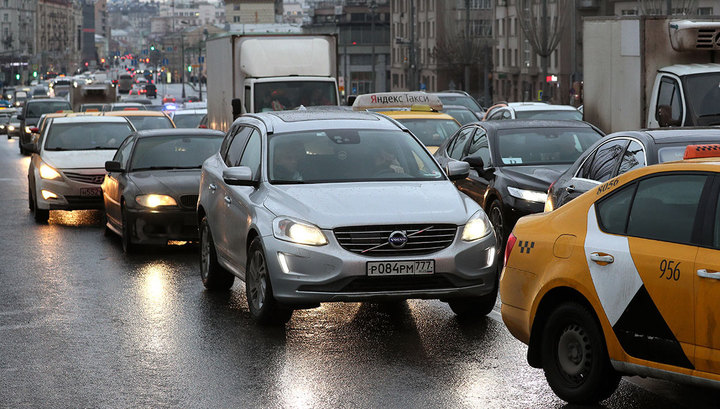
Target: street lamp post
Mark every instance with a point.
(373, 9)
(182, 63)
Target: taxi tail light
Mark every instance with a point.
(131, 109)
(508, 248)
(34, 130)
(702, 151)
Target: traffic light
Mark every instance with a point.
(189, 68)
(17, 77)
(34, 74)
(152, 47)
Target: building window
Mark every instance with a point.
(704, 11)
(629, 12)
(481, 28)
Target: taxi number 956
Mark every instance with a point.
(670, 270)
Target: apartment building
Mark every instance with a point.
(439, 45)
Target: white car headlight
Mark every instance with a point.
(477, 227)
(529, 195)
(27, 129)
(153, 200)
(285, 228)
(47, 172)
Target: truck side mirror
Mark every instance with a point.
(236, 107)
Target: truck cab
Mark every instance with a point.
(685, 95)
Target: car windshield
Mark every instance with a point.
(431, 132)
(173, 152)
(187, 120)
(703, 94)
(35, 110)
(542, 146)
(150, 122)
(461, 115)
(461, 100)
(570, 114)
(279, 96)
(348, 155)
(86, 136)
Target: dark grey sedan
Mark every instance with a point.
(151, 189)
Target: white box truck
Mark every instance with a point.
(255, 73)
(650, 72)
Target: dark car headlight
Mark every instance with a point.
(529, 195)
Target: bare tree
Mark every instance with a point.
(543, 24)
(458, 49)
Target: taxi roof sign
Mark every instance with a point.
(702, 151)
(396, 100)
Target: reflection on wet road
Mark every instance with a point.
(82, 325)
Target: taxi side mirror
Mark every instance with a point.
(457, 170)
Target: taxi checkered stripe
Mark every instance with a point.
(526, 246)
(707, 148)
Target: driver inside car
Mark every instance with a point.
(386, 162)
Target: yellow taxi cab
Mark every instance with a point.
(417, 111)
(143, 120)
(623, 280)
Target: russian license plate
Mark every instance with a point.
(90, 191)
(400, 268)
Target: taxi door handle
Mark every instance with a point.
(707, 274)
(601, 258)
(212, 187)
(570, 189)
(228, 200)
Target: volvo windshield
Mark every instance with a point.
(348, 155)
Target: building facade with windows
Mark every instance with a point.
(252, 11)
(363, 31)
(439, 45)
(58, 40)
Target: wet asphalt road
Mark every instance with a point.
(82, 325)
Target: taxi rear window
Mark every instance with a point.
(661, 208)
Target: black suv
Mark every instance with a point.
(150, 90)
(30, 115)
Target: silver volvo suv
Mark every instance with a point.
(310, 206)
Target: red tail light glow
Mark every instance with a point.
(508, 248)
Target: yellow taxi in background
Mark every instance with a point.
(417, 111)
(143, 120)
(623, 280)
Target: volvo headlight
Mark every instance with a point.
(47, 172)
(477, 227)
(529, 195)
(153, 200)
(285, 228)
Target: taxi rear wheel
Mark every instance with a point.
(213, 275)
(575, 358)
(263, 306)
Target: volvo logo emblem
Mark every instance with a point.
(398, 239)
